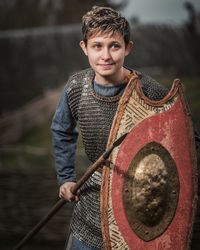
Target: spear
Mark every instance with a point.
(74, 190)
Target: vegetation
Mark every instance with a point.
(18, 14)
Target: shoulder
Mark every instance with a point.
(151, 88)
(78, 79)
(75, 87)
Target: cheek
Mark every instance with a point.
(92, 57)
(91, 61)
(119, 56)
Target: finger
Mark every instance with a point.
(61, 193)
(76, 198)
(72, 198)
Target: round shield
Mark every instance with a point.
(151, 189)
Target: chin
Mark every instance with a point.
(107, 72)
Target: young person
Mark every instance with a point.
(90, 98)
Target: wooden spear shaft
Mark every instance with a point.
(74, 190)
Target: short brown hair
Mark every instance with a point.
(104, 20)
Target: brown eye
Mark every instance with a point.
(97, 46)
(115, 46)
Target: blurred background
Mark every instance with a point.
(39, 49)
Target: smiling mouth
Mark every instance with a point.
(106, 66)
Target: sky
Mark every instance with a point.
(159, 11)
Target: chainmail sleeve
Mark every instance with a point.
(151, 88)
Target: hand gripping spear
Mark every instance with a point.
(74, 190)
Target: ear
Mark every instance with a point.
(129, 48)
(83, 47)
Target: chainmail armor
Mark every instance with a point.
(95, 115)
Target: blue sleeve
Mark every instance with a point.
(64, 139)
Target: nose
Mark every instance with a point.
(106, 54)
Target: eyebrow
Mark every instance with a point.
(111, 42)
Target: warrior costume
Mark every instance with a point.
(95, 114)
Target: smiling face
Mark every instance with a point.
(106, 53)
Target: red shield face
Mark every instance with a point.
(152, 187)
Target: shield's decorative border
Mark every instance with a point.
(127, 119)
